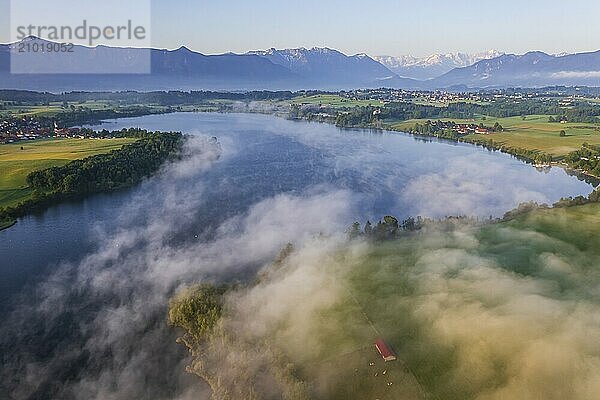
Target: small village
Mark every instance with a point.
(432, 97)
(443, 97)
(28, 128)
(464, 129)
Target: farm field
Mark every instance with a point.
(53, 108)
(453, 301)
(50, 109)
(425, 294)
(16, 164)
(532, 133)
(576, 226)
(333, 100)
(347, 364)
(363, 374)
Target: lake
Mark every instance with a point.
(276, 181)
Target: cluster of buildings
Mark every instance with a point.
(433, 97)
(442, 97)
(28, 128)
(465, 129)
(446, 97)
(15, 129)
(462, 129)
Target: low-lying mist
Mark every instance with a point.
(493, 312)
(503, 311)
(98, 329)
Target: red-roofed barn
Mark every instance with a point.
(384, 350)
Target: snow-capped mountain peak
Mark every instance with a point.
(433, 65)
(323, 63)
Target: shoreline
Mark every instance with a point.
(501, 148)
(7, 224)
(386, 128)
(578, 171)
(583, 174)
(526, 160)
(53, 195)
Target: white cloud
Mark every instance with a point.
(575, 74)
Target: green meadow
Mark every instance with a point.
(51, 108)
(17, 160)
(532, 133)
(429, 294)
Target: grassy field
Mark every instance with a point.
(363, 374)
(532, 133)
(410, 286)
(16, 164)
(497, 311)
(348, 365)
(52, 108)
(576, 226)
(334, 101)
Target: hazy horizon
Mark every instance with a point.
(351, 53)
(391, 28)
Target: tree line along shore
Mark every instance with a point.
(117, 169)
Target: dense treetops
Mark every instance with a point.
(100, 173)
(166, 98)
(586, 159)
(197, 310)
(388, 228)
(105, 172)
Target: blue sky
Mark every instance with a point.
(382, 27)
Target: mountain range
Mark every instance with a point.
(423, 68)
(316, 68)
(289, 69)
(324, 65)
(532, 69)
(107, 68)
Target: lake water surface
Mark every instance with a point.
(394, 174)
(268, 164)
